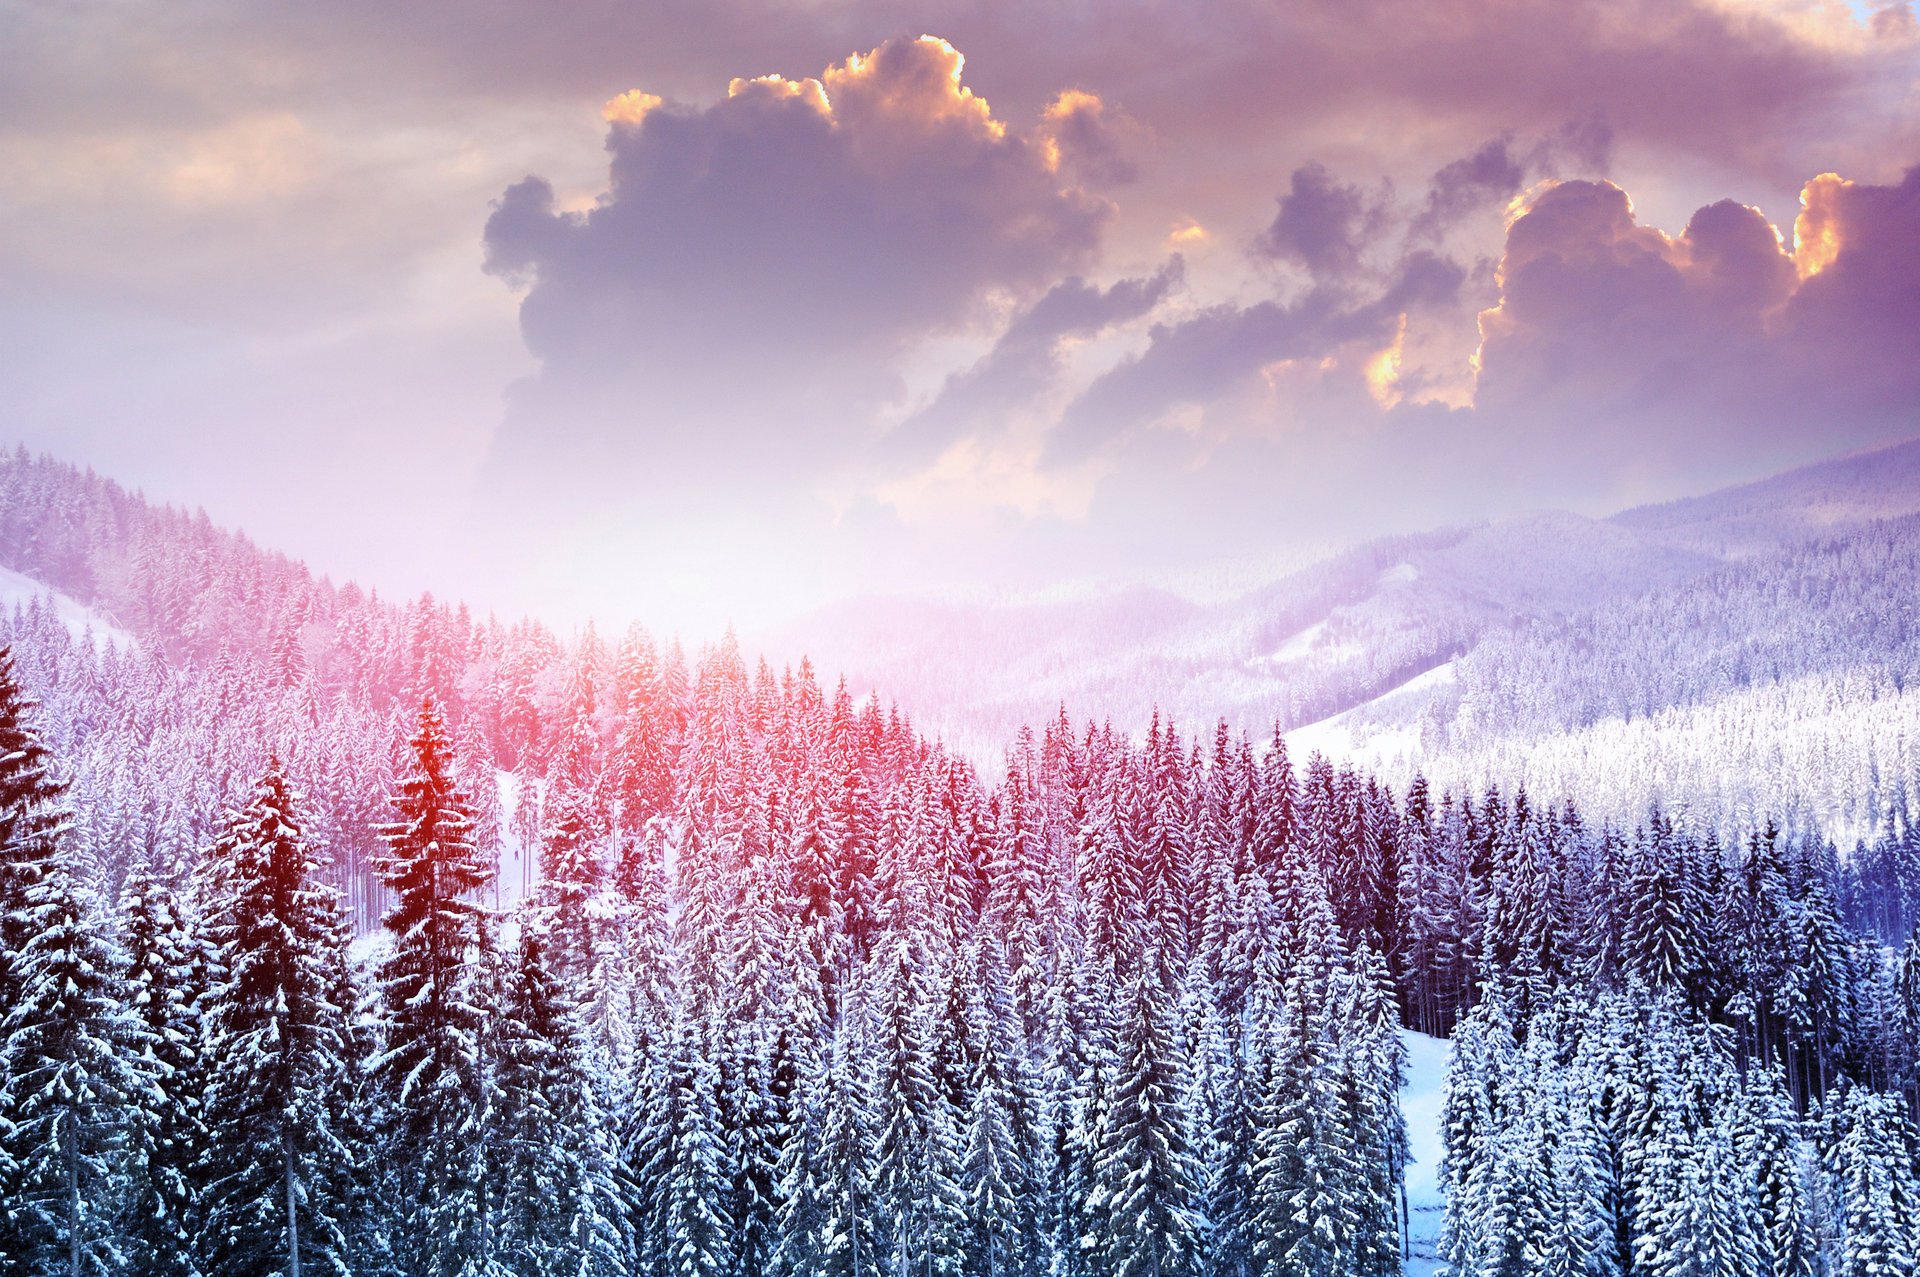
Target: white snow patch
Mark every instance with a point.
(1439, 676)
(1420, 1101)
(1400, 574)
(1313, 641)
(18, 591)
(519, 869)
(1299, 644)
(1361, 735)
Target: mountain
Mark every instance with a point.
(1746, 653)
(1745, 650)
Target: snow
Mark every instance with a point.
(1300, 644)
(519, 868)
(1361, 734)
(1420, 1101)
(18, 592)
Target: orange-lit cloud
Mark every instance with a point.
(1095, 141)
(1382, 372)
(629, 108)
(1816, 231)
(1186, 233)
(758, 269)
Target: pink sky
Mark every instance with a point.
(697, 311)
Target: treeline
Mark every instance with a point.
(797, 990)
(819, 1004)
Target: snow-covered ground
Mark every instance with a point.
(1359, 735)
(20, 591)
(1420, 1101)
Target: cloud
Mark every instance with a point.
(1721, 341)
(756, 267)
(1322, 225)
(1492, 174)
(735, 312)
(1097, 143)
(1195, 361)
(1613, 351)
(1028, 358)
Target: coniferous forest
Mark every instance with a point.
(346, 937)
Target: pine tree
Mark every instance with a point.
(68, 1081)
(278, 1043)
(996, 1180)
(167, 1135)
(559, 1202)
(69, 1049)
(1873, 1167)
(32, 820)
(1146, 1184)
(432, 1070)
(571, 874)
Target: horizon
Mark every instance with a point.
(1232, 581)
(576, 317)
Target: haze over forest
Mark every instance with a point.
(745, 638)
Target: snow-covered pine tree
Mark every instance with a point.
(69, 1048)
(167, 1131)
(431, 1073)
(1143, 1220)
(69, 1079)
(32, 819)
(571, 874)
(693, 1233)
(1001, 1229)
(559, 1205)
(1768, 1149)
(1872, 1164)
(278, 1197)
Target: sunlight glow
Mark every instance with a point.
(630, 108)
(1816, 231)
(1383, 370)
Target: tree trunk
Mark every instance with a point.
(293, 1217)
(73, 1206)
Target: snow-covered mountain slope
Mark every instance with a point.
(18, 592)
(1723, 642)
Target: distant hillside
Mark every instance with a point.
(1752, 651)
(1710, 634)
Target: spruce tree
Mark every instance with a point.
(1146, 1182)
(167, 1135)
(69, 1081)
(278, 1043)
(431, 1072)
(69, 1048)
(559, 1202)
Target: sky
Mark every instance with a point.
(701, 311)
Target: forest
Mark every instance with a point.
(351, 937)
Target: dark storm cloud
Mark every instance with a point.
(1027, 358)
(754, 266)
